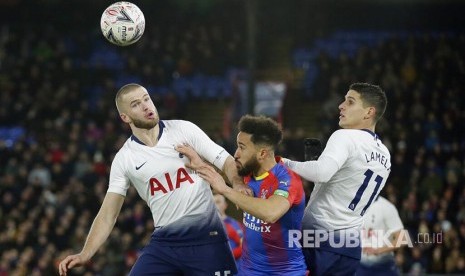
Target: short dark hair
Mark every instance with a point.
(264, 130)
(371, 95)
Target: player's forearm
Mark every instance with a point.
(98, 234)
(103, 224)
(263, 209)
(316, 171)
(395, 243)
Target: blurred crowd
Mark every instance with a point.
(60, 88)
(57, 82)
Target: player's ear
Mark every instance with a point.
(262, 153)
(125, 118)
(370, 113)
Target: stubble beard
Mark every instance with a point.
(144, 124)
(251, 166)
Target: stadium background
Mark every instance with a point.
(59, 129)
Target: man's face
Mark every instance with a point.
(246, 155)
(139, 109)
(352, 114)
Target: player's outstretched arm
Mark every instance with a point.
(316, 171)
(99, 232)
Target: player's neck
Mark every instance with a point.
(266, 166)
(372, 128)
(147, 136)
(369, 127)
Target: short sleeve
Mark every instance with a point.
(119, 183)
(205, 146)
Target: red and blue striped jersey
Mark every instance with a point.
(235, 234)
(265, 248)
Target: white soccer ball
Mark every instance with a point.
(122, 23)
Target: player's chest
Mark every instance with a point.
(162, 163)
(262, 189)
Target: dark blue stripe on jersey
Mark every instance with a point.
(162, 126)
(358, 195)
(378, 181)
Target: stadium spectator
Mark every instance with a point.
(380, 221)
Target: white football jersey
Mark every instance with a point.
(381, 219)
(181, 202)
(362, 164)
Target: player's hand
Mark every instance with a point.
(370, 251)
(242, 188)
(195, 160)
(70, 262)
(215, 179)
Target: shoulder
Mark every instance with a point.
(344, 137)
(347, 133)
(174, 123)
(386, 204)
(384, 149)
(182, 125)
(281, 170)
(283, 173)
(120, 161)
(124, 150)
(351, 136)
(343, 134)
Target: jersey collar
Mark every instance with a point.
(371, 133)
(162, 126)
(262, 176)
(265, 174)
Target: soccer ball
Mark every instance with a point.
(122, 23)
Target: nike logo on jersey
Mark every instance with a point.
(138, 167)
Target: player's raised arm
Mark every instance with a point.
(98, 234)
(334, 155)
